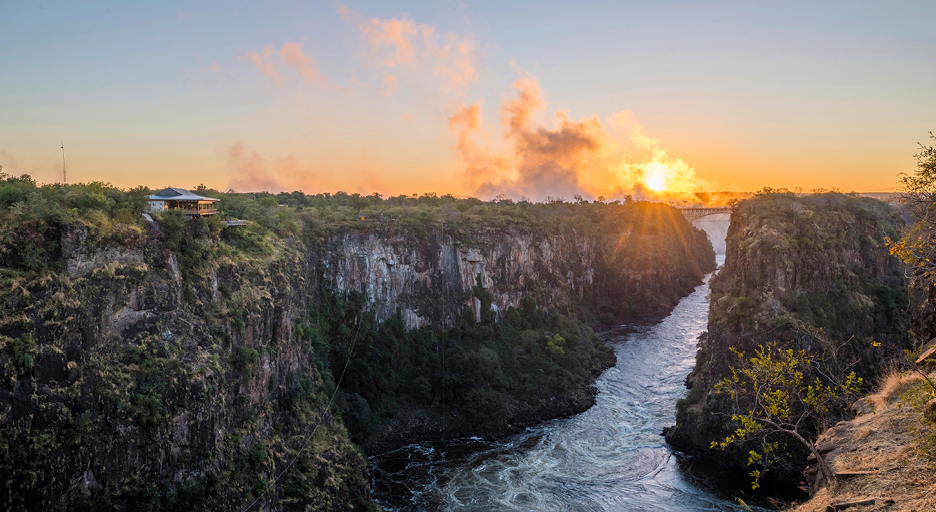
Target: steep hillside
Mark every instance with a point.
(883, 458)
(189, 365)
(812, 273)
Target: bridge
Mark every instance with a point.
(694, 213)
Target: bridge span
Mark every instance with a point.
(693, 213)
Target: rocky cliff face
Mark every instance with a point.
(811, 273)
(429, 282)
(136, 377)
(130, 386)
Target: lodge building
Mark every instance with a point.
(192, 205)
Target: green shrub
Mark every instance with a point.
(24, 349)
(245, 360)
(483, 405)
(147, 408)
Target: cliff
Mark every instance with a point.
(485, 284)
(128, 385)
(811, 273)
(188, 365)
(615, 270)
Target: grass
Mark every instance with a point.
(892, 442)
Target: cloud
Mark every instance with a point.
(251, 172)
(291, 55)
(392, 34)
(184, 15)
(402, 42)
(587, 157)
(215, 68)
(266, 66)
(390, 82)
(456, 67)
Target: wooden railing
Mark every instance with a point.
(201, 212)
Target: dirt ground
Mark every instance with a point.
(888, 443)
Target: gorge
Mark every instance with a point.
(192, 367)
(204, 367)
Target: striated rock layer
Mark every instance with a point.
(430, 282)
(811, 273)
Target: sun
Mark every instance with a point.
(656, 177)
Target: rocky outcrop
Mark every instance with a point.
(812, 273)
(431, 281)
(132, 384)
(882, 455)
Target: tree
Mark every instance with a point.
(918, 246)
(773, 395)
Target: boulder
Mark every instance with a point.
(863, 406)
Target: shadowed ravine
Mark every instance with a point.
(611, 457)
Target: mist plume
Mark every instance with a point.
(588, 157)
(251, 172)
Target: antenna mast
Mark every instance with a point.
(64, 176)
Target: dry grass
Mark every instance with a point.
(894, 384)
(886, 442)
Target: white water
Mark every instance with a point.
(716, 227)
(610, 457)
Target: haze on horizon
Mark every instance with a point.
(478, 98)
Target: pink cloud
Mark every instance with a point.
(291, 55)
(266, 66)
(453, 59)
(390, 82)
(456, 64)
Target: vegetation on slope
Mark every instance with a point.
(122, 390)
(813, 274)
(530, 356)
(917, 247)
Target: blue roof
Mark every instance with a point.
(178, 194)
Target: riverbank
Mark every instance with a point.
(415, 425)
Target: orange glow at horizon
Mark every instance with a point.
(656, 177)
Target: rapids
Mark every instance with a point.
(610, 457)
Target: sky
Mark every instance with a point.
(485, 98)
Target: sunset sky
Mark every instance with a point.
(481, 98)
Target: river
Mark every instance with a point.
(610, 457)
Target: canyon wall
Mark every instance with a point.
(565, 270)
(811, 273)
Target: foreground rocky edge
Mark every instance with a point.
(883, 458)
(144, 375)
